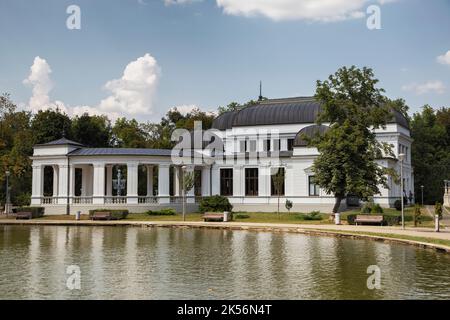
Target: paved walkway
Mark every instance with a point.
(276, 227)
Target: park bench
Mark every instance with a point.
(24, 215)
(101, 215)
(212, 216)
(364, 218)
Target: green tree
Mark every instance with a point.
(92, 131)
(51, 125)
(430, 152)
(353, 106)
(129, 134)
(235, 106)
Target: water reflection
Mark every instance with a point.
(146, 263)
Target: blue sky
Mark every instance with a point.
(211, 52)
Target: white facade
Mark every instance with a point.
(244, 175)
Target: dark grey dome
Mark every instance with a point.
(310, 132)
(281, 111)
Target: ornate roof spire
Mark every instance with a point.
(260, 91)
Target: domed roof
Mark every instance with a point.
(281, 111)
(310, 132)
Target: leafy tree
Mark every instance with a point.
(92, 131)
(235, 106)
(430, 152)
(51, 125)
(353, 106)
(288, 205)
(129, 134)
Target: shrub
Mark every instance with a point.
(23, 199)
(438, 209)
(398, 205)
(116, 214)
(417, 215)
(351, 218)
(314, 215)
(36, 212)
(288, 205)
(366, 208)
(242, 216)
(162, 212)
(376, 208)
(215, 203)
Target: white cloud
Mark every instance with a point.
(435, 86)
(445, 58)
(311, 10)
(39, 79)
(132, 94)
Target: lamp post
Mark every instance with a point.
(421, 187)
(401, 156)
(8, 197)
(183, 190)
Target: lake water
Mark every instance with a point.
(166, 263)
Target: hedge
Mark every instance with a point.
(215, 204)
(162, 212)
(36, 212)
(116, 214)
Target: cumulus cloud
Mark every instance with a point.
(445, 58)
(132, 94)
(435, 86)
(312, 10)
(39, 80)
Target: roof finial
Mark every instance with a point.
(260, 91)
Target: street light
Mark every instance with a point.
(183, 169)
(401, 156)
(8, 197)
(421, 187)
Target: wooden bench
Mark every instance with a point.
(24, 215)
(364, 218)
(101, 215)
(212, 216)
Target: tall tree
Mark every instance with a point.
(430, 130)
(353, 106)
(129, 134)
(51, 125)
(92, 131)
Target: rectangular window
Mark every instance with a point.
(313, 187)
(243, 146)
(252, 146)
(277, 180)
(267, 145)
(276, 145)
(290, 144)
(251, 181)
(226, 182)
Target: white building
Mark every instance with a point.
(257, 141)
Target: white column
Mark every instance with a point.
(37, 184)
(132, 182)
(190, 195)
(177, 181)
(283, 144)
(206, 177)
(149, 181)
(63, 187)
(238, 180)
(99, 183)
(264, 172)
(72, 182)
(55, 180)
(109, 170)
(163, 183)
(215, 180)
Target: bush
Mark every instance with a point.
(162, 212)
(376, 208)
(417, 215)
(288, 205)
(398, 205)
(351, 218)
(242, 216)
(116, 214)
(215, 204)
(36, 212)
(23, 199)
(314, 215)
(371, 207)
